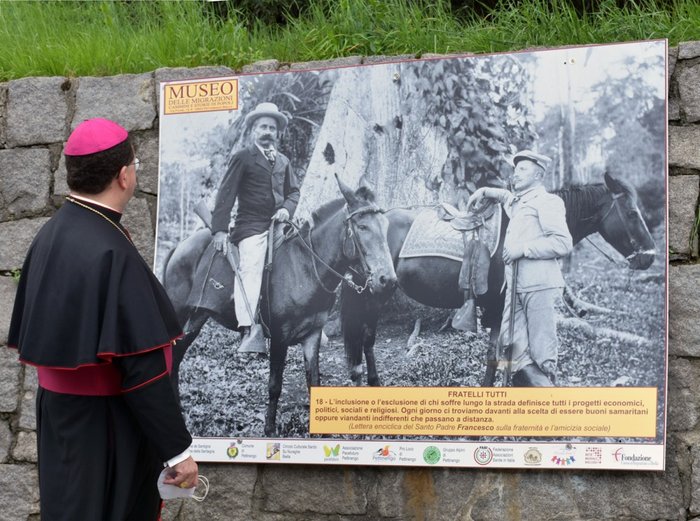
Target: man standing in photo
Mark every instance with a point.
(536, 237)
(97, 324)
(260, 177)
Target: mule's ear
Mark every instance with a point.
(613, 184)
(347, 192)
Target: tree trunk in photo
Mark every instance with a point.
(369, 139)
(422, 131)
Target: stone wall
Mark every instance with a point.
(36, 117)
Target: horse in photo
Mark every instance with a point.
(298, 290)
(608, 208)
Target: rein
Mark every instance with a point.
(632, 240)
(349, 234)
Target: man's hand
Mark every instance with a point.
(184, 475)
(512, 254)
(549, 367)
(476, 199)
(281, 215)
(221, 242)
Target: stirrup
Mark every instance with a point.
(254, 342)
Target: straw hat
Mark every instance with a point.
(270, 110)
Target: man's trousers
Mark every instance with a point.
(251, 251)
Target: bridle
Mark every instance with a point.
(351, 249)
(614, 205)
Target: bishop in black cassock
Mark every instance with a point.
(97, 324)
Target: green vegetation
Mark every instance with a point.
(113, 37)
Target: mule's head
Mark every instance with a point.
(623, 226)
(365, 243)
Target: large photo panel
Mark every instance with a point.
(455, 262)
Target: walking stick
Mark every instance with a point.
(507, 349)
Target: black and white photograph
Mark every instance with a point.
(468, 221)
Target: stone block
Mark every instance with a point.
(27, 413)
(60, 186)
(231, 494)
(3, 113)
(373, 60)
(261, 66)
(683, 149)
(146, 147)
(127, 99)
(282, 493)
(389, 500)
(184, 74)
(683, 394)
(672, 60)
(25, 449)
(15, 239)
(137, 219)
(5, 440)
(8, 289)
(20, 492)
(674, 109)
(548, 495)
(688, 50)
(683, 193)
(37, 109)
(684, 309)
(689, 89)
(25, 176)
(9, 379)
(327, 64)
(441, 496)
(695, 480)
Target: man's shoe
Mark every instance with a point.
(531, 376)
(252, 340)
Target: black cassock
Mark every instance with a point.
(97, 324)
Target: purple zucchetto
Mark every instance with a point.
(94, 135)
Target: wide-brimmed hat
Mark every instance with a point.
(539, 159)
(270, 110)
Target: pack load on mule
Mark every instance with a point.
(299, 286)
(608, 208)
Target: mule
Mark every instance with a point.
(608, 208)
(299, 288)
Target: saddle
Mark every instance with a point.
(213, 281)
(480, 232)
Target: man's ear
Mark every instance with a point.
(121, 178)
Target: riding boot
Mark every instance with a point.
(252, 340)
(531, 376)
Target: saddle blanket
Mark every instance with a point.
(430, 236)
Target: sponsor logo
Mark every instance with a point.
(483, 455)
(331, 452)
(593, 456)
(232, 451)
(431, 455)
(565, 457)
(532, 456)
(273, 452)
(384, 454)
(632, 459)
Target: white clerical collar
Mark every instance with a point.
(98, 203)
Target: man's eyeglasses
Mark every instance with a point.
(136, 163)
